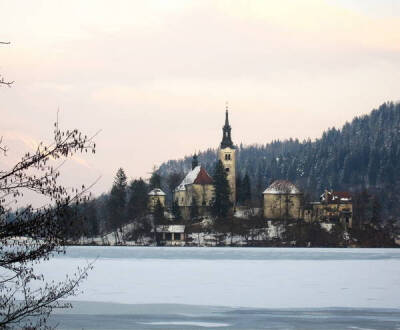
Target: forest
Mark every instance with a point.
(361, 157)
(363, 154)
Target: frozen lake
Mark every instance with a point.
(149, 287)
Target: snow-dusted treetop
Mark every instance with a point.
(196, 176)
(282, 187)
(156, 192)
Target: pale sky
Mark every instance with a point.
(154, 76)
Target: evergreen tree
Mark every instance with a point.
(176, 211)
(90, 218)
(158, 218)
(376, 211)
(246, 189)
(158, 214)
(117, 201)
(221, 204)
(138, 199)
(155, 180)
(239, 194)
(363, 153)
(172, 181)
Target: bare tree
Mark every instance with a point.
(32, 235)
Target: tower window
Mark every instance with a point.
(227, 156)
(227, 169)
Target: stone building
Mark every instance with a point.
(282, 200)
(196, 190)
(197, 186)
(156, 195)
(334, 206)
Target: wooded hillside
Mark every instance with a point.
(362, 154)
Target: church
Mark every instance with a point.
(282, 200)
(196, 189)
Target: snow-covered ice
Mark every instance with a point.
(266, 278)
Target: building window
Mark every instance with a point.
(227, 156)
(168, 236)
(227, 170)
(177, 236)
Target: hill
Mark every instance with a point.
(363, 154)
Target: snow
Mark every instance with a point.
(282, 187)
(236, 277)
(170, 229)
(245, 213)
(156, 192)
(189, 178)
(327, 226)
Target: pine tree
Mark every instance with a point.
(239, 194)
(376, 211)
(221, 203)
(158, 218)
(176, 211)
(91, 220)
(158, 214)
(117, 201)
(155, 180)
(363, 153)
(246, 189)
(138, 199)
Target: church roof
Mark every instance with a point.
(196, 176)
(282, 187)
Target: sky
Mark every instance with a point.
(154, 76)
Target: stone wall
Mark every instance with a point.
(281, 206)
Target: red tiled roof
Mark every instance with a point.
(342, 194)
(203, 177)
(335, 196)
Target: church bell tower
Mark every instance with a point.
(227, 154)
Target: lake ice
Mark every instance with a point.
(235, 279)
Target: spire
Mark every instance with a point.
(195, 161)
(226, 115)
(226, 131)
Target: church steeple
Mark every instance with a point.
(195, 162)
(226, 132)
(227, 155)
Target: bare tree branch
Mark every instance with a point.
(30, 235)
